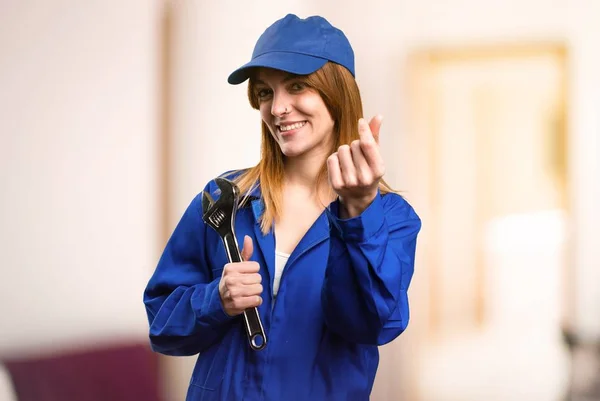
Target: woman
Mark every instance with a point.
(328, 248)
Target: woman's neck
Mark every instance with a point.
(303, 170)
(302, 173)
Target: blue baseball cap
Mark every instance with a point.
(298, 46)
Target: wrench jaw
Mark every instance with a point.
(228, 188)
(207, 202)
(220, 214)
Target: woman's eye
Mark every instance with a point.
(263, 93)
(297, 86)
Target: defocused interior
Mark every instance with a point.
(114, 116)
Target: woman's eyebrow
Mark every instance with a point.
(290, 77)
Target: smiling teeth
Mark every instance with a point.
(284, 128)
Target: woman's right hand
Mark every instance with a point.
(240, 287)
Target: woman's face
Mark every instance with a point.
(295, 114)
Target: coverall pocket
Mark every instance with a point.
(210, 368)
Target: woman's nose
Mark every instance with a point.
(280, 105)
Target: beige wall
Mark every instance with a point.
(585, 151)
(78, 166)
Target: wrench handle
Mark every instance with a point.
(231, 247)
(252, 322)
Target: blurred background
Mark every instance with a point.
(113, 116)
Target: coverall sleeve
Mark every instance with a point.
(182, 300)
(369, 269)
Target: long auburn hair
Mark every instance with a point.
(339, 91)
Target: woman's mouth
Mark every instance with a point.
(289, 128)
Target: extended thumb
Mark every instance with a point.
(247, 248)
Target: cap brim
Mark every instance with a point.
(294, 63)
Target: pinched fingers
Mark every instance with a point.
(369, 146)
(357, 168)
(346, 163)
(364, 174)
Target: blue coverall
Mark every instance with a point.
(343, 292)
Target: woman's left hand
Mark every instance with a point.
(356, 169)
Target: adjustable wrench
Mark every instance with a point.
(220, 215)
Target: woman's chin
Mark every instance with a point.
(290, 151)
